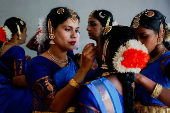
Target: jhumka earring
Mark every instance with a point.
(107, 28)
(51, 34)
(19, 31)
(160, 38)
(104, 65)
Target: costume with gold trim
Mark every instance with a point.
(13, 99)
(46, 78)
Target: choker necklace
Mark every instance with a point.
(65, 61)
(107, 73)
(156, 57)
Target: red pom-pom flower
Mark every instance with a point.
(2, 35)
(131, 57)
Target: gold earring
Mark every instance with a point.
(51, 34)
(19, 31)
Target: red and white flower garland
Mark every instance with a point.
(131, 58)
(41, 31)
(5, 34)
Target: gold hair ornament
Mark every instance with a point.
(104, 65)
(60, 11)
(107, 27)
(22, 23)
(91, 14)
(74, 15)
(19, 31)
(137, 18)
(100, 14)
(157, 91)
(51, 34)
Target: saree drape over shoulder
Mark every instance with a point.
(46, 78)
(13, 99)
(100, 96)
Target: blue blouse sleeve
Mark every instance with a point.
(19, 53)
(39, 77)
(19, 60)
(87, 102)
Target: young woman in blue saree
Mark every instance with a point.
(54, 76)
(152, 89)
(15, 95)
(121, 55)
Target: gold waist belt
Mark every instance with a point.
(151, 109)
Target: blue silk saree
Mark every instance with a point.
(13, 99)
(46, 78)
(100, 96)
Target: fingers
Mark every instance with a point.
(88, 48)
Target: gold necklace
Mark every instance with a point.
(65, 61)
(156, 57)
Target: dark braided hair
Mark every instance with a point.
(118, 36)
(153, 23)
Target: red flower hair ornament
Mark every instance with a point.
(131, 58)
(5, 34)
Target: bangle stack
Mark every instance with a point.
(157, 91)
(73, 83)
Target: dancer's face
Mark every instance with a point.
(94, 28)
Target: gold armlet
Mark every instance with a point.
(73, 83)
(157, 91)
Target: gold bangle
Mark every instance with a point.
(73, 83)
(71, 110)
(157, 91)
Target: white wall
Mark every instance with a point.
(122, 10)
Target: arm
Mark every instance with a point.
(19, 68)
(65, 95)
(31, 44)
(149, 85)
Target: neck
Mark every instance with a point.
(58, 53)
(14, 40)
(157, 51)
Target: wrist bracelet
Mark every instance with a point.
(157, 91)
(73, 83)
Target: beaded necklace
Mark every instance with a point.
(65, 61)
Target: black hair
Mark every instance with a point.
(104, 13)
(153, 22)
(57, 19)
(118, 36)
(11, 24)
